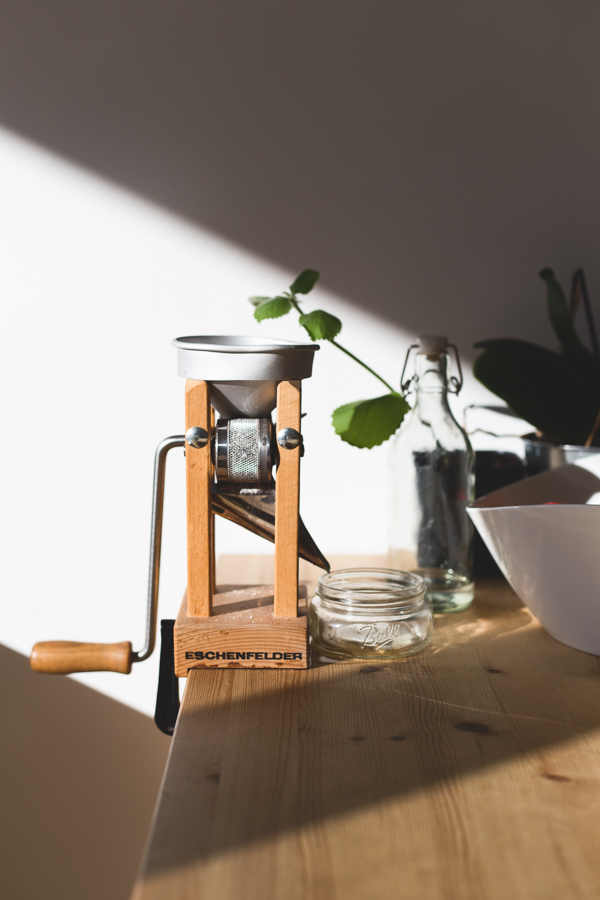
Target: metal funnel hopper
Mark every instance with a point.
(243, 371)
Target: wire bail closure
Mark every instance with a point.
(454, 382)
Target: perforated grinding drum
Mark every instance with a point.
(243, 450)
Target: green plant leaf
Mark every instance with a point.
(272, 309)
(560, 316)
(321, 325)
(512, 345)
(305, 282)
(367, 423)
(256, 301)
(552, 391)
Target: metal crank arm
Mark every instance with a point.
(67, 657)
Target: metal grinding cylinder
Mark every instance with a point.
(243, 450)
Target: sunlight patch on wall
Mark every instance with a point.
(95, 283)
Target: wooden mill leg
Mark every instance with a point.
(287, 498)
(199, 502)
(213, 557)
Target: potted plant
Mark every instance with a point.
(557, 391)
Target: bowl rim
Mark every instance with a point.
(535, 506)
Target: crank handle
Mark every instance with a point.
(66, 657)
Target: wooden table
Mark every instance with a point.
(471, 770)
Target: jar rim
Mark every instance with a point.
(371, 587)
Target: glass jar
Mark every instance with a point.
(370, 614)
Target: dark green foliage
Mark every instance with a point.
(558, 392)
(560, 316)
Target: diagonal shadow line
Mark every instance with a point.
(369, 165)
(258, 754)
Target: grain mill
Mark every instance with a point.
(229, 472)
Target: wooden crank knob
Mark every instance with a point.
(66, 657)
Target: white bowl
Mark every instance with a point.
(550, 555)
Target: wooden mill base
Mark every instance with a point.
(242, 633)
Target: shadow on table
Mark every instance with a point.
(79, 775)
(261, 753)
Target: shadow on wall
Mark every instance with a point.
(429, 158)
(80, 774)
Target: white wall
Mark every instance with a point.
(95, 284)
(428, 157)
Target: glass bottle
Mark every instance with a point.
(431, 483)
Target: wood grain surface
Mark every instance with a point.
(471, 770)
(287, 498)
(200, 520)
(213, 556)
(242, 633)
(67, 657)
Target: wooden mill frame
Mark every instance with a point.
(243, 626)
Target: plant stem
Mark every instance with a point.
(347, 352)
(364, 365)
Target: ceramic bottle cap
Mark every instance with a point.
(429, 343)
